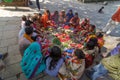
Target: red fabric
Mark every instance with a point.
(66, 27)
(116, 15)
(88, 60)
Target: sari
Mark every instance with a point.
(32, 63)
(45, 19)
(116, 15)
(69, 16)
(72, 70)
(75, 21)
(112, 64)
(27, 37)
(115, 51)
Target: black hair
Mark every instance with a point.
(99, 35)
(79, 53)
(55, 54)
(34, 38)
(48, 12)
(118, 44)
(76, 13)
(92, 26)
(28, 23)
(24, 18)
(29, 30)
(95, 40)
(90, 45)
(34, 19)
(40, 14)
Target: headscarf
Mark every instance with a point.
(32, 62)
(69, 16)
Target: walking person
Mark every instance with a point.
(113, 22)
(38, 5)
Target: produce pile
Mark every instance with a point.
(64, 39)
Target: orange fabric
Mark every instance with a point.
(45, 19)
(100, 42)
(27, 37)
(116, 15)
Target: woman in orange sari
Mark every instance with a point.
(46, 17)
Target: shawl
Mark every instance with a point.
(32, 63)
(28, 38)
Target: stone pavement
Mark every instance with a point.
(10, 22)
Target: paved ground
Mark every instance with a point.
(10, 22)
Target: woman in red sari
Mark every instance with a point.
(75, 21)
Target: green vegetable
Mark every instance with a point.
(56, 41)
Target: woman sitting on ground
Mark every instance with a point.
(23, 26)
(91, 52)
(73, 67)
(62, 18)
(69, 16)
(54, 61)
(26, 40)
(75, 21)
(32, 62)
(110, 65)
(46, 18)
(55, 17)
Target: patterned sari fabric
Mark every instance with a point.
(112, 64)
(72, 69)
(32, 62)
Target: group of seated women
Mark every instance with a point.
(39, 55)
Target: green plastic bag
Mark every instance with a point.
(9, 1)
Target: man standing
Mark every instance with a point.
(113, 22)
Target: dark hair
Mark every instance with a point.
(49, 14)
(118, 44)
(40, 14)
(55, 54)
(95, 40)
(70, 10)
(92, 26)
(34, 18)
(90, 45)
(24, 18)
(29, 30)
(56, 12)
(79, 53)
(99, 35)
(76, 13)
(28, 23)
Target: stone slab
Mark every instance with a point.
(12, 59)
(9, 42)
(3, 50)
(11, 71)
(10, 34)
(13, 50)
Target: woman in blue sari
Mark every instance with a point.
(69, 16)
(32, 62)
